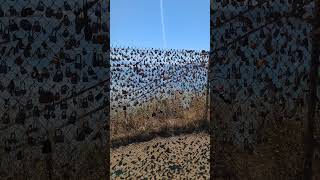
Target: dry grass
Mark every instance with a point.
(169, 114)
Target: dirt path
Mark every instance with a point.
(179, 157)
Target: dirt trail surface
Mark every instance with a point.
(179, 157)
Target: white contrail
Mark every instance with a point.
(163, 27)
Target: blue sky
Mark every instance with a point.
(138, 23)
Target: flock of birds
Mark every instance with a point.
(51, 72)
(141, 75)
(259, 72)
(181, 157)
(259, 68)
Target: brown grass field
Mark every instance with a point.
(169, 116)
(279, 156)
(171, 144)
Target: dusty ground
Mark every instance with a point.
(179, 157)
